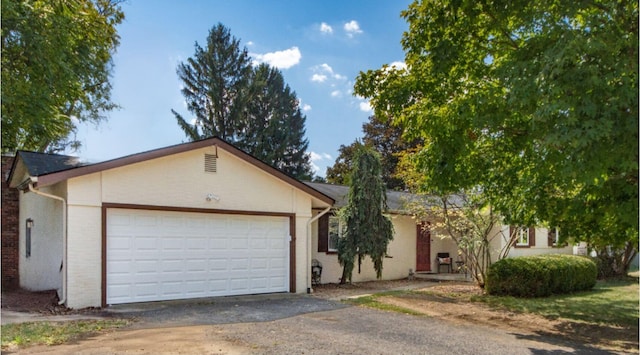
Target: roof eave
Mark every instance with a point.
(53, 178)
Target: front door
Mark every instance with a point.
(423, 247)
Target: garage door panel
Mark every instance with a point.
(158, 255)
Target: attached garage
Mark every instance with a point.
(193, 220)
(166, 255)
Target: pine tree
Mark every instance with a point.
(368, 231)
(252, 108)
(215, 82)
(274, 125)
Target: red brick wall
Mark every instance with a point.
(9, 246)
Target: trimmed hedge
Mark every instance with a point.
(541, 275)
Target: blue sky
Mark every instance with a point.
(319, 46)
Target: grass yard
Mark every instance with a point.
(604, 318)
(613, 303)
(53, 333)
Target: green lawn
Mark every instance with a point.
(612, 302)
(52, 333)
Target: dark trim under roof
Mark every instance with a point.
(53, 177)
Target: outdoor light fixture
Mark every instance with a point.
(212, 197)
(29, 225)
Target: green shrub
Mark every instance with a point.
(541, 275)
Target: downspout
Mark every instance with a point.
(34, 179)
(322, 213)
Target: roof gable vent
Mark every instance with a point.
(210, 163)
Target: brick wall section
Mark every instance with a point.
(9, 246)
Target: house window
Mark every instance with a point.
(523, 236)
(553, 237)
(336, 230)
(330, 229)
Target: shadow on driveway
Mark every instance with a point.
(220, 310)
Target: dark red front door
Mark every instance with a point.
(423, 247)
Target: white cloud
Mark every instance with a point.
(352, 28)
(250, 43)
(318, 157)
(304, 107)
(320, 78)
(365, 106)
(284, 59)
(398, 65)
(326, 67)
(336, 93)
(325, 28)
(322, 73)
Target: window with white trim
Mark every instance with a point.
(523, 237)
(336, 230)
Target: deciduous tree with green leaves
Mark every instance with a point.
(368, 231)
(535, 103)
(386, 139)
(56, 63)
(250, 107)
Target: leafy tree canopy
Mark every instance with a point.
(385, 138)
(56, 62)
(251, 107)
(536, 103)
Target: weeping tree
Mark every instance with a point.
(368, 230)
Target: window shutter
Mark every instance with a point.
(532, 236)
(551, 237)
(323, 234)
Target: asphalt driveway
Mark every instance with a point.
(297, 324)
(221, 310)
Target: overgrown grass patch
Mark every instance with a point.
(613, 303)
(53, 333)
(372, 301)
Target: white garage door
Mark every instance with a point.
(162, 255)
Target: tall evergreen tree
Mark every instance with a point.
(252, 108)
(215, 88)
(273, 125)
(368, 231)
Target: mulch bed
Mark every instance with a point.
(44, 302)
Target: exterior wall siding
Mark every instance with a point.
(42, 270)
(84, 255)
(541, 245)
(401, 252)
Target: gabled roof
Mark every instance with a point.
(396, 200)
(43, 163)
(52, 168)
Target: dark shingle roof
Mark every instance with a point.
(43, 163)
(396, 200)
